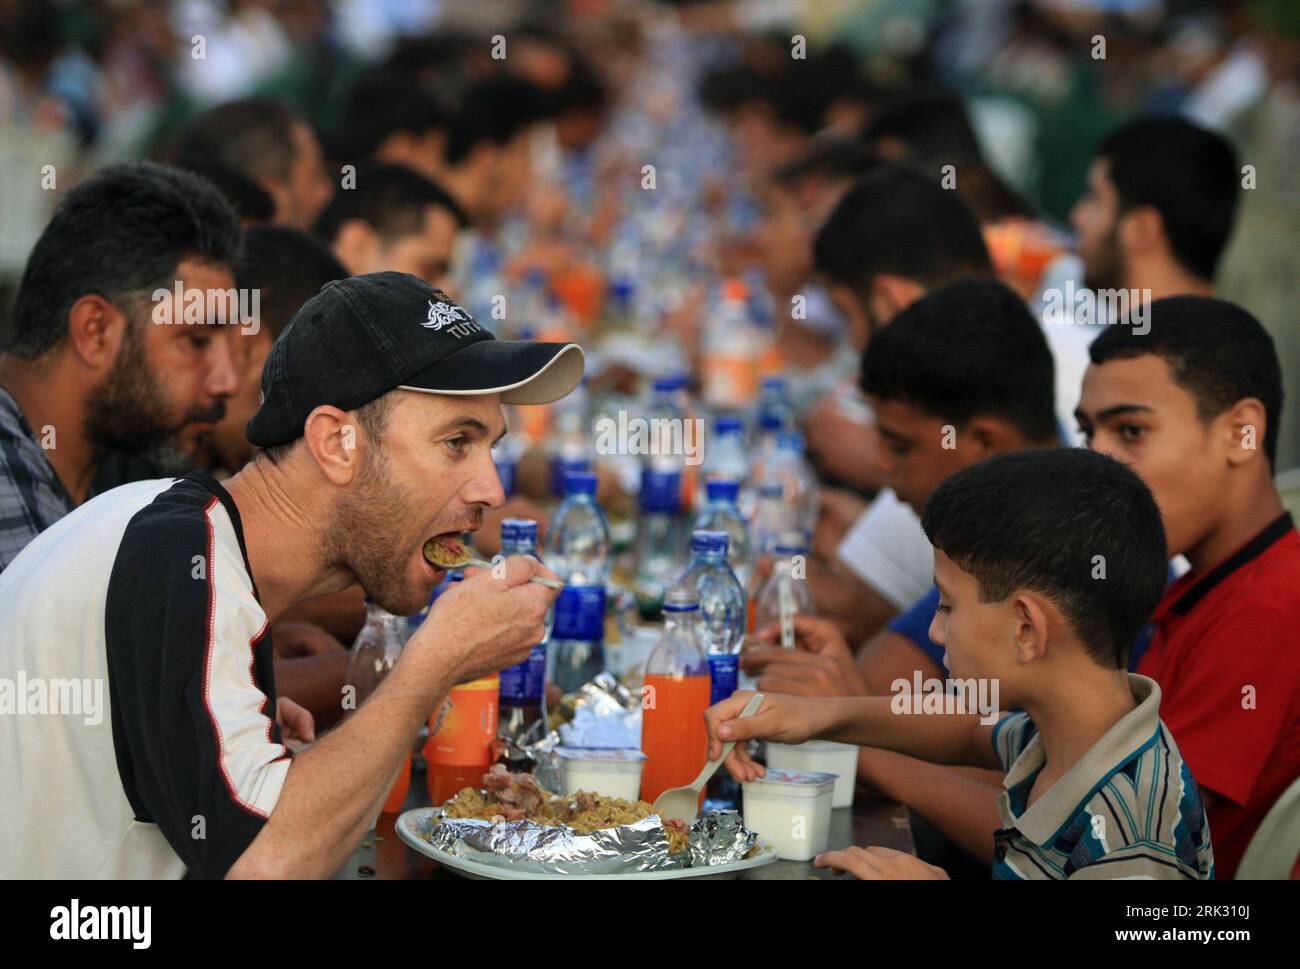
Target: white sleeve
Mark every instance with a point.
(887, 549)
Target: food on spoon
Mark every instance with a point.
(517, 797)
(446, 552)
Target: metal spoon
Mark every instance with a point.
(470, 559)
(684, 802)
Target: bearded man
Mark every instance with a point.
(86, 371)
(376, 433)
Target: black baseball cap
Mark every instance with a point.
(361, 337)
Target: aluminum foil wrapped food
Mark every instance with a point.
(602, 713)
(640, 846)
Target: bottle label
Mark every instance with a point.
(724, 668)
(463, 730)
(580, 613)
(523, 683)
(661, 490)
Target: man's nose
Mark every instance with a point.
(222, 377)
(484, 488)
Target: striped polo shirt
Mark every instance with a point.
(1129, 808)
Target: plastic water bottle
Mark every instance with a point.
(374, 654)
(721, 513)
(726, 458)
(523, 686)
(569, 445)
(720, 624)
(775, 408)
(786, 593)
(577, 550)
(658, 536)
(731, 344)
(673, 735)
(788, 468)
(772, 518)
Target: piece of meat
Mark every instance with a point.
(677, 824)
(585, 801)
(517, 794)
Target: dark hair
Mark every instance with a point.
(897, 220)
(1216, 351)
(494, 110)
(1187, 174)
(384, 102)
(253, 136)
(390, 198)
(120, 234)
(287, 267)
(250, 200)
(1048, 520)
(968, 349)
(829, 156)
(930, 123)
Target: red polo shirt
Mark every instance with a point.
(1226, 653)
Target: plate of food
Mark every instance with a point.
(512, 829)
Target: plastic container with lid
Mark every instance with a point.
(613, 772)
(791, 811)
(820, 756)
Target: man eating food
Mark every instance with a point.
(381, 403)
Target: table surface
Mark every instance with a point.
(870, 821)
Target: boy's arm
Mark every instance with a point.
(958, 739)
(960, 802)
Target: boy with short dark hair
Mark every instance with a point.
(1048, 563)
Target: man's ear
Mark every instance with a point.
(1244, 424)
(96, 329)
(991, 435)
(1142, 230)
(893, 294)
(334, 440)
(1030, 626)
(356, 244)
(278, 189)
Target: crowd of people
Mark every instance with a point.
(1035, 309)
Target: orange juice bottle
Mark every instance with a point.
(673, 701)
(459, 750)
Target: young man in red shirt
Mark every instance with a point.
(1193, 406)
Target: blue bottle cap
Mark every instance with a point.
(769, 421)
(728, 424)
(709, 541)
(518, 530)
(580, 483)
(722, 489)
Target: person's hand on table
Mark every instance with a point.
(293, 638)
(821, 664)
(296, 722)
(784, 719)
(879, 864)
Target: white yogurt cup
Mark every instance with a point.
(820, 756)
(791, 810)
(613, 772)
